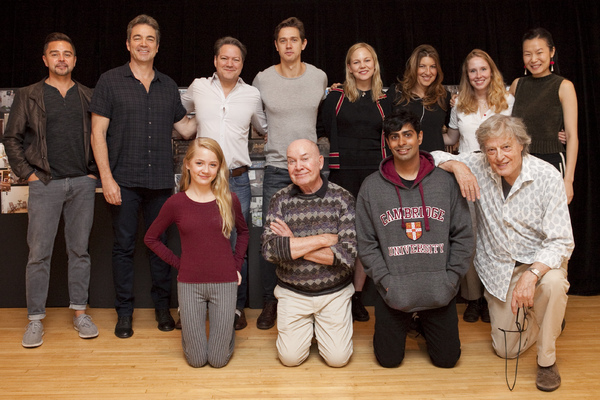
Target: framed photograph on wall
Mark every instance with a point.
(15, 201)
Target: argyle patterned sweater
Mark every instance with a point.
(329, 210)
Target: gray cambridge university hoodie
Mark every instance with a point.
(416, 243)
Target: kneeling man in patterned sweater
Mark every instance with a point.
(310, 236)
(415, 241)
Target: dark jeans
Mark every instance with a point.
(240, 185)
(440, 326)
(125, 225)
(274, 180)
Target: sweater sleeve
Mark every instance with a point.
(327, 114)
(243, 234)
(275, 248)
(165, 218)
(344, 252)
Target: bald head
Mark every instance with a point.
(304, 165)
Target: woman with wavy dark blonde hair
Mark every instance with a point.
(205, 212)
(481, 94)
(421, 92)
(353, 121)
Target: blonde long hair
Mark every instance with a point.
(219, 186)
(496, 91)
(434, 93)
(350, 89)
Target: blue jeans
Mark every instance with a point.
(240, 185)
(274, 180)
(74, 199)
(125, 225)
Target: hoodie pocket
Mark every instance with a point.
(420, 291)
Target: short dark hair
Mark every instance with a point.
(396, 120)
(58, 37)
(143, 19)
(232, 41)
(291, 22)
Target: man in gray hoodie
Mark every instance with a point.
(415, 241)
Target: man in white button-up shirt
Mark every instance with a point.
(225, 106)
(524, 239)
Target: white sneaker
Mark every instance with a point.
(84, 325)
(33, 334)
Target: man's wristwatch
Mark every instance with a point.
(535, 271)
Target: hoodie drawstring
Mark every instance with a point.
(426, 217)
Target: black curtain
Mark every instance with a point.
(190, 27)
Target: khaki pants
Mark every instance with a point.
(544, 318)
(328, 317)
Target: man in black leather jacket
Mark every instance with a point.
(47, 142)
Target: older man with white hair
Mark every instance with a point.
(524, 240)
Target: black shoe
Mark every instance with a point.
(472, 312)
(359, 312)
(123, 328)
(240, 321)
(484, 311)
(165, 321)
(266, 319)
(415, 327)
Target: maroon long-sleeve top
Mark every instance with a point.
(206, 255)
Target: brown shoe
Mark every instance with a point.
(266, 319)
(548, 378)
(178, 323)
(240, 321)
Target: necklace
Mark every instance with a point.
(483, 107)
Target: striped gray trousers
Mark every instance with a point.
(193, 301)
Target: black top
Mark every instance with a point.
(141, 124)
(64, 138)
(432, 119)
(538, 104)
(356, 132)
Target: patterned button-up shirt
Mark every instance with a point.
(531, 225)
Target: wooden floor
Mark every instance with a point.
(151, 364)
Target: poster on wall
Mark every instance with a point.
(6, 100)
(4, 180)
(15, 200)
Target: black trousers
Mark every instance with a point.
(440, 328)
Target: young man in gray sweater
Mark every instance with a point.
(415, 241)
(291, 92)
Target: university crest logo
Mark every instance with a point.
(413, 230)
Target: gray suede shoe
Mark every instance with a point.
(33, 334)
(548, 378)
(84, 325)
